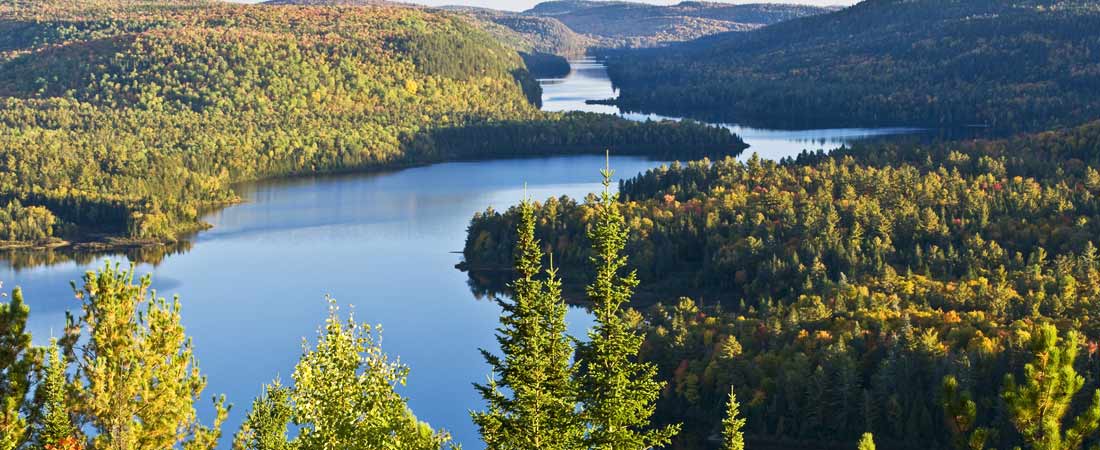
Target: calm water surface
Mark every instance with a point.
(383, 245)
(589, 81)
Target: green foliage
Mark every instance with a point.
(961, 414)
(733, 438)
(1020, 65)
(617, 390)
(26, 224)
(537, 367)
(265, 428)
(18, 364)
(56, 423)
(138, 375)
(1038, 406)
(344, 397)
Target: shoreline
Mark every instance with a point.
(112, 243)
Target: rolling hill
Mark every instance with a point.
(128, 119)
(628, 24)
(1006, 65)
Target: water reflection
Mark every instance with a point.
(589, 81)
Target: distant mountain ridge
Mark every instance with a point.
(629, 24)
(1021, 65)
(570, 28)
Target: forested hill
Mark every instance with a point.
(837, 291)
(1022, 65)
(130, 118)
(628, 24)
(531, 34)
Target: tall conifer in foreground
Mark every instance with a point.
(618, 393)
(732, 436)
(1038, 406)
(536, 367)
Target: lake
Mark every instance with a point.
(382, 244)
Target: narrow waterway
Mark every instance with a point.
(589, 81)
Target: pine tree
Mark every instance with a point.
(56, 427)
(961, 415)
(344, 395)
(537, 364)
(1038, 406)
(867, 442)
(618, 392)
(140, 378)
(18, 364)
(732, 436)
(266, 426)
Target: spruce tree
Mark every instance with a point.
(536, 367)
(139, 376)
(618, 392)
(18, 364)
(732, 436)
(56, 429)
(867, 442)
(1038, 406)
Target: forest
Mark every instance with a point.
(860, 368)
(836, 292)
(125, 122)
(903, 295)
(1006, 66)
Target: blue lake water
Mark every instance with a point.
(383, 245)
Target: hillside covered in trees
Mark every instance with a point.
(1021, 65)
(573, 28)
(626, 24)
(835, 292)
(129, 119)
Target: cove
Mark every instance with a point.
(382, 244)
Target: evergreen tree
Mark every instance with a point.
(960, 412)
(537, 364)
(1037, 407)
(18, 363)
(344, 397)
(56, 429)
(265, 428)
(732, 436)
(139, 375)
(617, 391)
(867, 442)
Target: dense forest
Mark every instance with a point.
(1021, 65)
(125, 119)
(856, 365)
(835, 292)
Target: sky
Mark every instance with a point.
(520, 5)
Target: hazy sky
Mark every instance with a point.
(519, 5)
